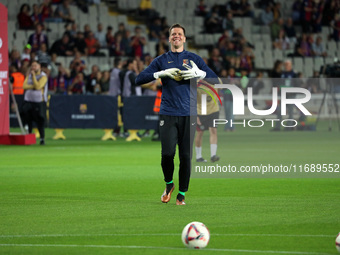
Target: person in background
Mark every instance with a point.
(92, 84)
(105, 83)
(100, 36)
(17, 79)
(34, 106)
(36, 15)
(63, 11)
(206, 122)
(77, 85)
(62, 47)
(37, 38)
(92, 44)
(138, 42)
(24, 18)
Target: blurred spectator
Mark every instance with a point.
(234, 7)
(24, 18)
(331, 8)
(245, 9)
(45, 10)
(115, 84)
(73, 30)
(276, 10)
(116, 48)
(121, 30)
(69, 32)
(296, 10)
(213, 23)
(105, 83)
(62, 47)
(306, 15)
(223, 42)
(275, 28)
(267, 16)
(77, 85)
(215, 61)
(43, 56)
(247, 59)
(201, 9)
(37, 38)
(92, 83)
(335, 24)
(15, 59)
(319, 6)
(54, 70)
(77, 65)
(228, 23)
(61, 82)
(26, 54)
(282, 42)
(109, 38)
(162, 46)
(146, 9)
(125, 44)
(318, 49)
(18, 80)
(256, 83)
(290, 30)
(92, 45)
(80, 44)
(36, 15)
(304, 46)
(277, 69)
(100, 36)
(129, 85)
(137, 42)
(231, 56)
(155, 30)
(63, 11)
(165, 26)
(87, 30)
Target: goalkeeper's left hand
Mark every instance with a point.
(193, 72)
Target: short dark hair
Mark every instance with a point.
(176, 25)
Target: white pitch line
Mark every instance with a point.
(160, 234)
(155, 247)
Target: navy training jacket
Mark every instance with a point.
(179, 98)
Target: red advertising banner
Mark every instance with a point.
(4, 86)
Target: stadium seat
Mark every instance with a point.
(259, 45)
(268, 59)
(318, 63)
(298, 64)
(237, 22)
(277, 54)
(204, 53)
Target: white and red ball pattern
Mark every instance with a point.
(195, 235)
(337, 242)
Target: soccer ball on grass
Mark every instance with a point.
(337, 242)
(195, 235)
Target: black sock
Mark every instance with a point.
(169, 187)
(180, 197)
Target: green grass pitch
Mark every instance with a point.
(85, 196)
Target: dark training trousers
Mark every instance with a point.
(177, 130)
(36, 112)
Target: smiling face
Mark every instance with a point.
(177, 39)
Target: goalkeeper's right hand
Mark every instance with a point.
(167, 73)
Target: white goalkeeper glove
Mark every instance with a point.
(193, 72)
(167, 73)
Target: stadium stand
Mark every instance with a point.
(258, 37)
